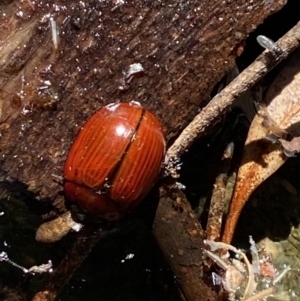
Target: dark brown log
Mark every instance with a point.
(48, 91)
(180, 236)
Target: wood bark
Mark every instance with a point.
(180, 236)
(48, 92)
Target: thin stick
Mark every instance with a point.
(262, 295)
(222, 102)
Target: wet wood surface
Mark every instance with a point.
(180, 236)
(48, 91)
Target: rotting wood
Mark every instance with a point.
(183, 47)
(184, 50)
(180, 236)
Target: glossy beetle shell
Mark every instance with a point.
(114, 160)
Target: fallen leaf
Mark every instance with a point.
(261, 158)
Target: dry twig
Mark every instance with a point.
(222, 102)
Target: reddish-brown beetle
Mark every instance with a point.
(114, 160)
